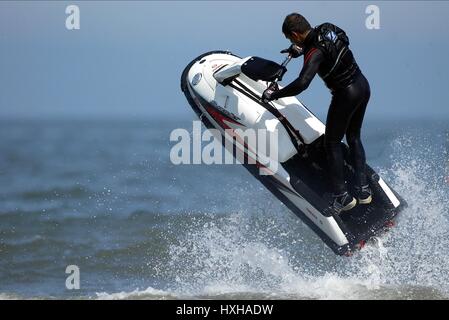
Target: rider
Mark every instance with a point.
(326, 52)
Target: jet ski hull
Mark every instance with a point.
(302, 182)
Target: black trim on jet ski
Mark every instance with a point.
(294, 134)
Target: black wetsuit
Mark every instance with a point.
(326, 52)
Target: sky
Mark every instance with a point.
(127, 57)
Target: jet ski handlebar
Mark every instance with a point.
(282, 70)
(286, 61)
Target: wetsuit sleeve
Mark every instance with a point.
(312, 61)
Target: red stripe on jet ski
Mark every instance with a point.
(247, 147)
(220, 118)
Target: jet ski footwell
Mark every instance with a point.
(304, 184)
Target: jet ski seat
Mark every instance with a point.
(261, 69)
(254, 68)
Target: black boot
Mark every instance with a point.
(364, 194)
(343, 202)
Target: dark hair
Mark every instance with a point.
(295, 22)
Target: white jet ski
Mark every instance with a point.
(225, 92)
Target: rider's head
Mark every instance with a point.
(296, 28)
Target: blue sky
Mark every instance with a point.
(127, 58)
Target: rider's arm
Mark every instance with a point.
(312, 61)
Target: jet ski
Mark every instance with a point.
(225, 92)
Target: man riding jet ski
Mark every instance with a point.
(316, 174)
(326, 52)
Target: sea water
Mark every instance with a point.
(103, 195)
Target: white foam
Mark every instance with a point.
(7, 296)
(416, 251)
(149, 293)
(276, 256)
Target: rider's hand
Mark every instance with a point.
(294, 51)
(267, 95)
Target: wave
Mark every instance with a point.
(248, 255)
(75, 192)
(148, 294)
(10, 296)
(261, 250)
